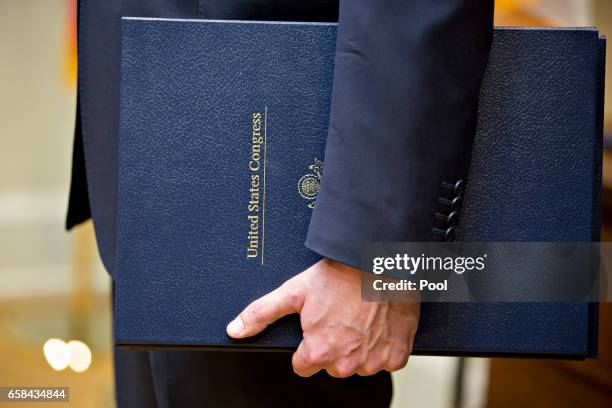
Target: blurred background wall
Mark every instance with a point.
(53, 284)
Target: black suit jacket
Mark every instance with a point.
(403, 113)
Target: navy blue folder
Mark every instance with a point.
(222, 135)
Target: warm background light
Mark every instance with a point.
(55, 353)
(79, 355)
(74, 354)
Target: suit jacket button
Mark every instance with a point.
(452, 218)
(459, 187)
(450, 234)
(454, 204)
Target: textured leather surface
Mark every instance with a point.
(188, 92)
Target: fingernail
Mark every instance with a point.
(235, 327)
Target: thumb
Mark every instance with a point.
(284, 300)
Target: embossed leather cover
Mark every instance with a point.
(194, 95)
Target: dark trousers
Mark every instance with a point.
(164, 379)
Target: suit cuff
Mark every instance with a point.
(341, 251)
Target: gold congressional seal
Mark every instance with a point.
(309, 183)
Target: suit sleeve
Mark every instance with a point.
(402, 122)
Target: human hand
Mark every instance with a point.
(342, 334)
